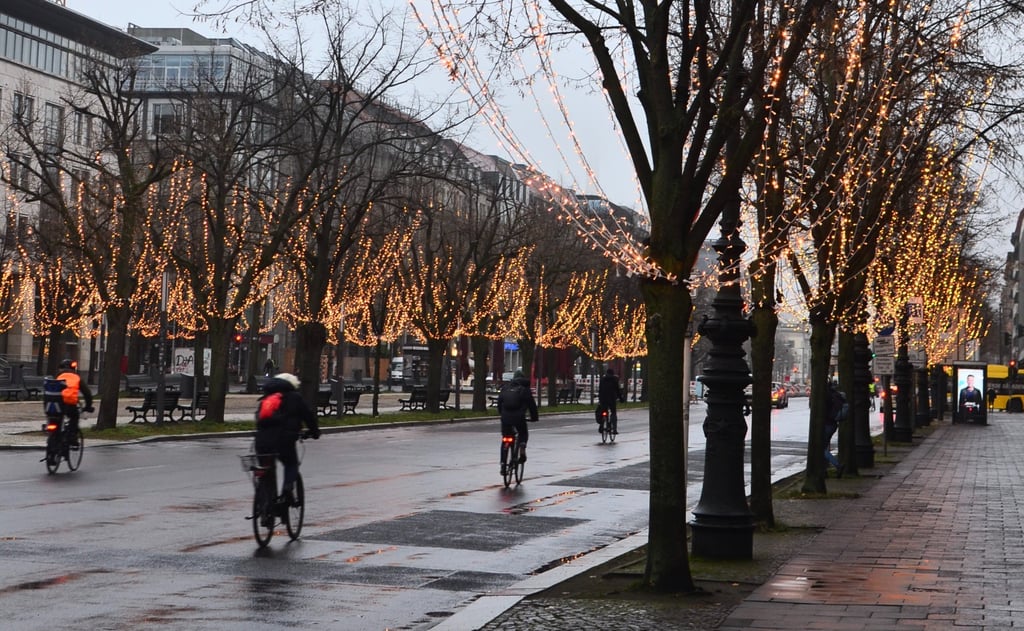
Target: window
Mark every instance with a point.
(18, 170)
(53, 125)
(166, 118)
(23, 108)
(82, 128)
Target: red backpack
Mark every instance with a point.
(270, 405)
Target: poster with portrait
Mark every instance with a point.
(969, 390)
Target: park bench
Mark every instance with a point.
(325, 406)
(33, 385)
(569, 395)
(417, 400)
(139, 383)
(202, 401)
(12, 392)
(140, 413)
(349, 401)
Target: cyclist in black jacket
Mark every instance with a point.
(279, 419)
(609, 393)
(514, 401)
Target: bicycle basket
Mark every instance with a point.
(251, 462)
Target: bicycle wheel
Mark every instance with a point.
(506, 463)
(296, 511)
(53, 448)
(74, 454)
(263, 512)
(603, 428)
(518, 465)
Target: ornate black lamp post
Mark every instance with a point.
(922, 416)
(903, 430)
(723, 526)
(864, 448)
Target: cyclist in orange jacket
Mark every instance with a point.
(73, 385)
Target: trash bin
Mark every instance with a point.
(188, 386)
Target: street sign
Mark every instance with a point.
(884, 365)
(884, 345)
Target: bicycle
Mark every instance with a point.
(512, 462)
(268, 505)
(604, 426)
(60, 444)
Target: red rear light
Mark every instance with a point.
(51, 427)
(507, 439)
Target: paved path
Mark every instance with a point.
(934, 543)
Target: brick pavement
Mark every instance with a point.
(934, 543)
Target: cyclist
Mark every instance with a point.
(279, 419)
(73, 385)
(514, 401)
(609, 393)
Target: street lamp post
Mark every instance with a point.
(903, 430)
(723, 526)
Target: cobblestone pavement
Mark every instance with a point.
(935, 542)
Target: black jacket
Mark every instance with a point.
(294, 412)
(609, 391)
(511, 413)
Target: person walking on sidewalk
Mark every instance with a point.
(837, 410)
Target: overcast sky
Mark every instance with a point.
(600, 142)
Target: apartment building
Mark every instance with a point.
(44, 48)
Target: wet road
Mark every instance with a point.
(403, 526)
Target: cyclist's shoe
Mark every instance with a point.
(615, 431)
(288, 498)
(522, 456)
(503, 469)
(267, 521)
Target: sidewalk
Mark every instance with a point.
(932, 542)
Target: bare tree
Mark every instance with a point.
(89, 164)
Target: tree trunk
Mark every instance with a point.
(762, 354)
(221, 331)
(668, 313)
(435, 369)
(310, 341)
(255, 362)
(822, 334)
(551, 372)
(110, 372)
(481, 353)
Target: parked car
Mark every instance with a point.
(780, 396)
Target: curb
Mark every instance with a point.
(486, 608)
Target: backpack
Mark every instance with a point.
(513, 398)
(270, 411)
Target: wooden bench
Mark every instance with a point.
(140, 413)
(349, 401)
(202, 401)
(417, 400)
(325, 406)
(569, 395)
(139, 383)
(12, 392)
(33, 385)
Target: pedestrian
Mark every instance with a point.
(268, 367)
(609, 393)
(837, 411)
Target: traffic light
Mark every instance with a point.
(238, 338)
(1012, 369)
